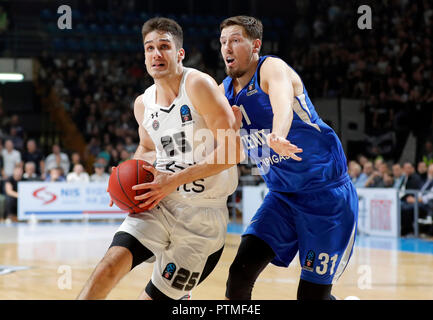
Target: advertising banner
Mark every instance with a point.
(252, 198)
(65, 200)
(378, 209)
(378, 212)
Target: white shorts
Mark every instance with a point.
(181, 237)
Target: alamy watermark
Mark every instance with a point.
(227, 147)
(365, 20)
(65, 20)
(365, 277)
(64, 282)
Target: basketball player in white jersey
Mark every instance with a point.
(184, 230)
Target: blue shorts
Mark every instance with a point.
(320, 225)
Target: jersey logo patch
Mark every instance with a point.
(309, 261)
(251, 88)
(169, 271)
(155, 125)
(185, 113)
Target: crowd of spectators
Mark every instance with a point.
(414, 183)
(389, 67)
(21, 159)
(99, 94)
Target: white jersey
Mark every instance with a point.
(181, 139)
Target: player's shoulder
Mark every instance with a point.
(273, 63)
(141, 99)
(274, 68)
(149, 92)
(197, 78)
(199, 83)
(139, 106)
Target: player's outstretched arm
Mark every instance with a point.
(222, 120)
(277, 83)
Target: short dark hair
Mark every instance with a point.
(164, 24)
(253, 27)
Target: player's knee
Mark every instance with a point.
(313, 291)
(112, 265)
(239, 270)
(124, 240)
(240, 282)
(106, 269)
(253, 256)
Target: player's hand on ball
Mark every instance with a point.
(161, 186)
(283, 146)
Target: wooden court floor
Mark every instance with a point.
(58, 259)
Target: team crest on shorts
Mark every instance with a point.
(185, 113)
(309, 261)
(169, 271)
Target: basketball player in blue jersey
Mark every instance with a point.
(311, 206)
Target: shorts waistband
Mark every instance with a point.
(343, 179)
(198, 202)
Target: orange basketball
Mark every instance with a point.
(122, 179)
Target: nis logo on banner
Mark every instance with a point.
(44, 195)
(65, 194)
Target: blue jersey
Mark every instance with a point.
(323, 164)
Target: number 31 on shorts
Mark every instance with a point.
(324, 262)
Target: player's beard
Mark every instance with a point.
(235, 73)
(239, 72)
